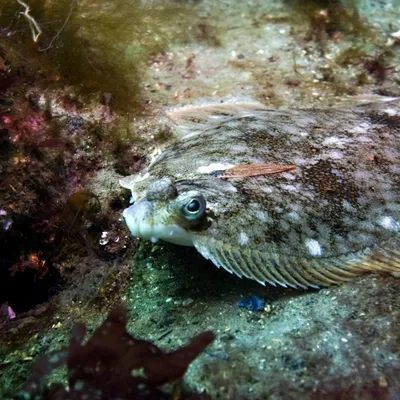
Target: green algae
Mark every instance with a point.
(98, 47)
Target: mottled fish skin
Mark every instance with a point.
(333, 217)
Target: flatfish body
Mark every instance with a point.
(300, 198)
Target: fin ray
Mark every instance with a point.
(301, 281)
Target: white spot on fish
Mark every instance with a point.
(206, 169)
(365, 139)
(289, 188)
(348, 206)
(261, 215)
(313, 247)
(300, 161)
(332, 140)
(294, 216)
(288, 175)
(336, 172)
(363, 176)
(267, 189)
(362, 128)
(236, 148)
(303, 134)
(335, 155)
(391, 112)
(389, 223)
(244, 239)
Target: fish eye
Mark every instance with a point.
(194, 208)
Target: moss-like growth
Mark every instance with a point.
(353, 55)
(98, 47)
(327, 17)
(81, 204)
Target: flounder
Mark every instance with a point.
(301, 198)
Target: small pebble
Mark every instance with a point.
(382, 382)
(187, 301)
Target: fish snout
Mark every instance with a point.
(145, 222)
(138, 217)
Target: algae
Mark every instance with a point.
(98, 47)
(330, 17)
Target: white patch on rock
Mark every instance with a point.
(313, 247)
(206, 169)
(244, 239)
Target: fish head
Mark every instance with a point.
(166, 214)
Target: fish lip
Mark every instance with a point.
(138, 218)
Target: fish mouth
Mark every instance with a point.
(139, 219)
(144, 223)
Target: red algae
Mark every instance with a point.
(113, 364)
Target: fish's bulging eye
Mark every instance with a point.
(194, 208)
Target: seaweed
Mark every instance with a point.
(113, 364)
(328, 18)
(97, 47)
(378, 65)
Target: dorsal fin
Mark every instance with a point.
(296, 272)
(193, 119)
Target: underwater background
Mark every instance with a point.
(83, 89)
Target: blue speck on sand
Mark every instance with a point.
(252, 303)
(218, 356)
